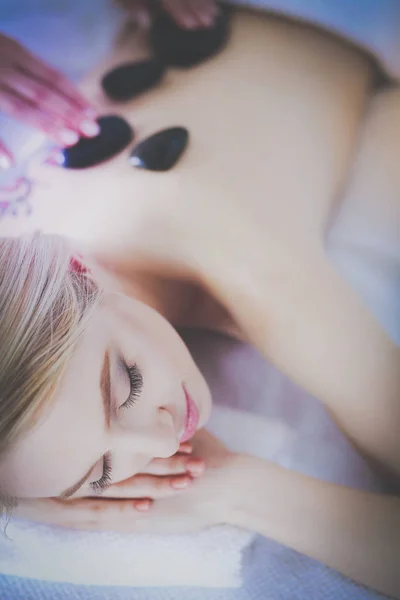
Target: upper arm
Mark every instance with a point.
(322, 330)
(322, 335)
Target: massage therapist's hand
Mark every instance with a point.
(190, 14)
(33, 92)
(162, 478)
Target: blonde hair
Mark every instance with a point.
(44, 308)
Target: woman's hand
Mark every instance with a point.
(206, 502)
(191, 14)
(162, 478)
(202, 503)
(39, 95)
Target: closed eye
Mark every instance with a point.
(105, 480)
(136, 385)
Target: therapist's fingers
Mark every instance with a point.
(49, 102)
(191, 14)
(37, 94)
(205, 11)
(6, 158)
(37, 69)
(29, 112)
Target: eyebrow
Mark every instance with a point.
(105, 389)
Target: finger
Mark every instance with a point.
(143, 504)
(148, 486)
(48, 102)
(6, 158)
(39, 70)
(204, 11)
(26, 110)
(179, 11)
(175, 465)
(186, 448)
(39, 98)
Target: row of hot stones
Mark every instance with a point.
(171, 46)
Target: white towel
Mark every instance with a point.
(209, 558)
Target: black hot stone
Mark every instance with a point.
(115, 135)
(187, 47)
(129, 80)
(161, 151)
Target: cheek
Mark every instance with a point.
(43, 468)
(55, 455)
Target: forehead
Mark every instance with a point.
(56, 451)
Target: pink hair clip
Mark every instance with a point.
(76, 265)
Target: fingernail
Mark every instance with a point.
(180, 484)
(195, 469)
(55, 158)
(69, 137)
(5, 162)
(143, 506)
(89, 128)
(185, 448)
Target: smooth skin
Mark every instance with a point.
(245, 217)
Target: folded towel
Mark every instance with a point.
(209, 558)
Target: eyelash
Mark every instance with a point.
(105, 480)
(136, 383)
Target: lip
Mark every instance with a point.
(192, 417)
